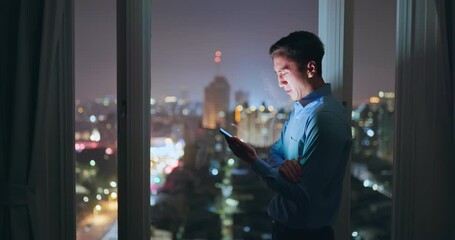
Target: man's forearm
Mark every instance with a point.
(278, 184)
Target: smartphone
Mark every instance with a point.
(225, 133)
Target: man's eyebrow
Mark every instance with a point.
(285, 67)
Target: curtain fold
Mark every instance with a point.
(36, 95)
(424, 154)
(21, 40)
(450, 17)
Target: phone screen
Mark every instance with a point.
(225, 133)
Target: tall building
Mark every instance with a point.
(241, 97)
(216, 103)
(386, 125)
(261, 126)
(373, 127)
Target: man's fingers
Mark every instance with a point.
(290, 166)
(292, 170)
(287, 170)
(297, 168)
(295, 171)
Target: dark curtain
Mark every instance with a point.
(21, 27)
(450, 19)
(450, 26)
(36, 86)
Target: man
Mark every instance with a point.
(305, 167)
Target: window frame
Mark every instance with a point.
(133, 114)
(133, 97)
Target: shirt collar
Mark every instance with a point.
(316, 94)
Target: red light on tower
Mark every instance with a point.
(218, 56)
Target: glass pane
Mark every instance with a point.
(372, 120)
(211, 67)
(96, 119)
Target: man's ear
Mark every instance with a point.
(311, 69)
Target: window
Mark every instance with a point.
(96, 119)
(373, 120)
(210, 67)
(200, 54)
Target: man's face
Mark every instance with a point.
(289, 77)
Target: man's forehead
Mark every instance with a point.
(281, 63)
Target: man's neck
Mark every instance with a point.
(314, 83)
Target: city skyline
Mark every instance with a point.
(175, 150)
(186, 35)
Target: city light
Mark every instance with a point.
(170, 99)
(114, 195)
(232, 202)
(217, 58)
(157, 180)
(375, 187)
(79, 147)
(168, 169)
(214, 171)
(108, 151)
(221, 114)
(374, 100)
(370, 133)
(106, 101)
(95, 136)
(389, 95)
(231, 162)
(281, 116)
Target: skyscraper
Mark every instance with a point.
(241, 97)
(216, 103)
(260, 126)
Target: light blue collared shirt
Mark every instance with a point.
(318, 131)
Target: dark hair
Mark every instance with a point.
(301, 47)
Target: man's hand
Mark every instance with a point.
(291, 170)
(242, 150)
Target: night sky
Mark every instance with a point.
(186, 34)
